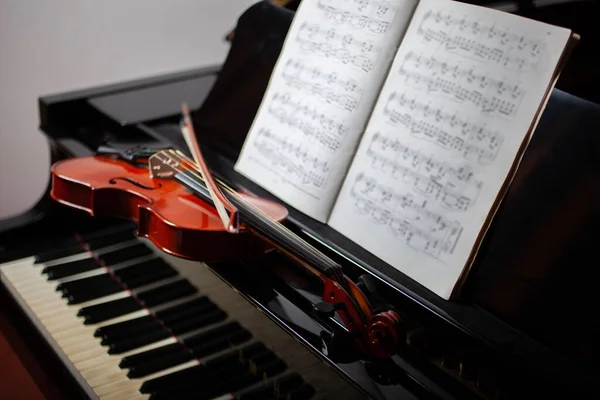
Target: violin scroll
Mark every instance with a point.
(376, 335)
(383, 329)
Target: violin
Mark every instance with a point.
(179, 207)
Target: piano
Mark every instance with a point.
(103, 314)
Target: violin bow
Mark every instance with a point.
(231, 221)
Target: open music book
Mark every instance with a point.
(400, 123)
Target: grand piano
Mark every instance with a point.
(525, 327)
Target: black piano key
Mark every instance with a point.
(129, 328)
(183, 310)
(224, 330)
(217, 339)
(177, 327)
(137, 281)
(144, 267)
(150, 298)
(72, 247)
(227, 364)
(145, 273)
(94, 293)
(206, 388)
(197, 321)
(147, 356)
(111, 309)
(126, 253)
(176, 379)
(85, 283)
(108, 239)
(127, 228)
(159, 364)
(76, 267)
(140, 340)
(139, 323)
(131, 331)
(68, 250)
(64, 270)
(171, 291)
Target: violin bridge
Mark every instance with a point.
(161, 166)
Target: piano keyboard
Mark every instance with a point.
(131, 322)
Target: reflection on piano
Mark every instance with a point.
(109, 316)
(130, 323)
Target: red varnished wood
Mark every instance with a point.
(177, 221)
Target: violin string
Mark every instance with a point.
(338, 274)
(259, 214)
(306, 247)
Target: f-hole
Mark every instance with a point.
(113, 181)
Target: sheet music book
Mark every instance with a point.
(400, 123)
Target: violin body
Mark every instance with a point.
(174, 219)
(181, 223)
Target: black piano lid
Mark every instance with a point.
(73, 119)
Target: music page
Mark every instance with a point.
(460, 98)
(320, 94)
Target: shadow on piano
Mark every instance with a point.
(526, 327)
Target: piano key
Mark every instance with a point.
(177, 327)
(125, 328)
(79, 297)
(108, 310)
(163, 313)
(147, 296)
(84, 284)
(140, 270)
(142, 339)
(107, 239)
(203, 325)
(71, 268)
(168, 292)
(169, 360)
(208, 342)
(113, 257)
(150, 355)
(137, 250)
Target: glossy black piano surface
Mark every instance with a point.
(525, 326)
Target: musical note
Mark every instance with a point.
(341, 48)
(293, 159)
(450, 186)
(407, 216)
(374, 16)
(445, 129)
(320, 95)
(483, 42)
(328, 87)
(462, 84)
(316, 125)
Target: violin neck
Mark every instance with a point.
(265, 226)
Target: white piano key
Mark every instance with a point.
(102, 379)
(130, 385)
(125, 395)
(103, 370)
(89, 361)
